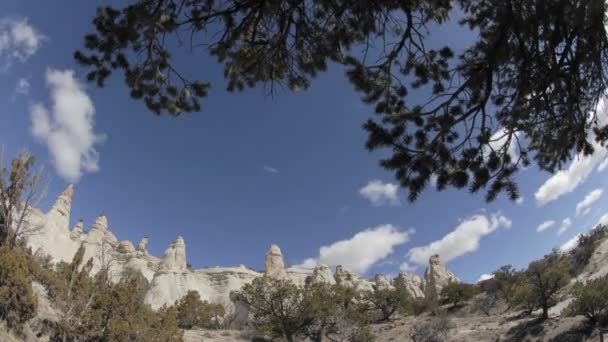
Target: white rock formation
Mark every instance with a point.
(142, 245)
(76, 232)
(321, 274)
(436, 277)
(174, 258)
(275, 267)
(411, 282)
(169, 277)
(347, 278)
(381, 283)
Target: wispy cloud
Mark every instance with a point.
(67, 128)
(566, 223)
(465, 238)
(271, 170)
(585, 205)
(565, 181)
(380, 193)
(544, 226)
(22, 87)
(363, 250)
(19, 40)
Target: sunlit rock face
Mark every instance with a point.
(381, 283)
(321, 274)
(436, 277)
(411, 282)
(170, 278)
(275, 267)
(347, 278)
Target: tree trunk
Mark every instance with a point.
(545, 311)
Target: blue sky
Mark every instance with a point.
(252, 170)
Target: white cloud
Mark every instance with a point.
(584, 205)
(544, 226)
(363, 250)
(520, 200)
(566, 223)
(497, 142)
(67, 127)
(485, 277)
(603, 220)
(271, 170)
(570, 244)
(18, 41)
(407, 267)
(463, 239)
(565, 181)
(22, 87)
(379, 193)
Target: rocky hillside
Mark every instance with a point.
(483, 316)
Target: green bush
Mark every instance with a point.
(17, 299)
(590, 300)
(456, 293)
(587, 243)
(382, 304)
(192, 312)
(278, 308)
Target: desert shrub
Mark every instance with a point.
(192, 312)
(382, 304)
(590, 300)
(524, 298)
(278, 308)
(435, 330)
(456, 293)
(17, 299)
(420, 306)
(587, 243)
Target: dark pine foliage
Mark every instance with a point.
(531, 81)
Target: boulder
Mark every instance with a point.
(347, 278)
(411, 282)
(436, 277)
(381, 283)
(275, 267)
(125, 247)
(320, 275)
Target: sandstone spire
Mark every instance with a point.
(174, 258)
(381, 283)
(76, 232)
(142, 245)
(275, 267)
(60, 212)
(101, 223)
(436, 277)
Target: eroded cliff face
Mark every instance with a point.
(170, 278)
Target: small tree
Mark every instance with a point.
(456, 293)
(590, 299)
(383, 303)
(277, 307)
(17, 300)
(505, 282)
(21, 187)
(193, 312)
(546, 277)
